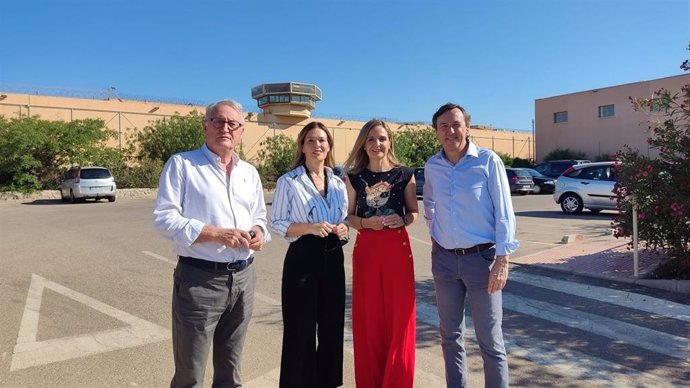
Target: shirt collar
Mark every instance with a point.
(215, 158)
(472, 150)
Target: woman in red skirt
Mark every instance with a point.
(382, 201)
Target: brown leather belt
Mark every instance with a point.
(468, 251)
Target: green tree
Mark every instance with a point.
(567, 153)
(414, 147)
(275, 158)
(506, 158)
(170, 135)
(660, 188)
(34, 152)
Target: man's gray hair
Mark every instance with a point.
(231, 103)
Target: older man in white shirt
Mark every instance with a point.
(211, 205)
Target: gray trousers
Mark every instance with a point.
(210, 307)
(457, 278)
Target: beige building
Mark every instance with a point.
(600, 121)
(284, 109)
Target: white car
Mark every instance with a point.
(588, 185)
(80, 183)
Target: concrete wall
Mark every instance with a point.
(585, 131)
(128, 117)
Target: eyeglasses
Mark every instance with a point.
(219, 123)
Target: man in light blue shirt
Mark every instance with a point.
(468, 210)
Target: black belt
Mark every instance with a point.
(216, 266)
(467, 251)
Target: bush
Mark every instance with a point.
(660, 188)
(506, 158)
(274, 158)
(564, 154)
(35, 152)
(414, 147)
(171, 135)
(522, 163)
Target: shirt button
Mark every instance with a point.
(404, 242)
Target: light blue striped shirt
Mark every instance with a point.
(296, 200)
(469, 203)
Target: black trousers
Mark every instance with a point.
(313, 297)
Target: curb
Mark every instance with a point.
(672, 285)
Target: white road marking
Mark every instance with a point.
(571, 364)
(656, 341)
(425, 242)
(29, 352)
(620, 298)
(159, 257)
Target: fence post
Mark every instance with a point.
(636, 255)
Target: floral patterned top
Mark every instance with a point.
(381, 193)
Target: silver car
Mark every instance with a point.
(588, 185)
(80, 183)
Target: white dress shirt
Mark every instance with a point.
(297, 201)
(194, 191)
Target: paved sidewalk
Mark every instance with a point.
(608, 259)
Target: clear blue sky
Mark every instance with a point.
(394, 59)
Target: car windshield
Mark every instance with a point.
(94, 173)
(522, 173)
(535, 173)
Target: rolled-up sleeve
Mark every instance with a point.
(499, 189)
(167, 215)
(280, 216)
(258, 211)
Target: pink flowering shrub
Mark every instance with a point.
(659, 187)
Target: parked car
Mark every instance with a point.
(339, 171)
(520, 181)
(542, 183)
(589, 186)
(419, 180)
(554, 168)
(80, 183)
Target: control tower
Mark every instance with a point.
(291, 99)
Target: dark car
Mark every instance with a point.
(520, 181)
(419, 179)
(542, 183)
(554, 168)
(339, 171)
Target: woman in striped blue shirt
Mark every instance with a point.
(309, 210)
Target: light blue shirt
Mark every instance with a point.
(296, 200)
(469, 203)
(194, 191)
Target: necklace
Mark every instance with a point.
(325, 182)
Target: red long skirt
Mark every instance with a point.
(383, 309)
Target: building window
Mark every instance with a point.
(560, 117)
(606, 111)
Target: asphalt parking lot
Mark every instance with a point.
(85, 293)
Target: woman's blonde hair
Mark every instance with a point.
(299, 154)
(358, 158)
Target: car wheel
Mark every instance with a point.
(62, 196)
(536, 189)
(571, 203)
(111, 199)
(72, 198)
